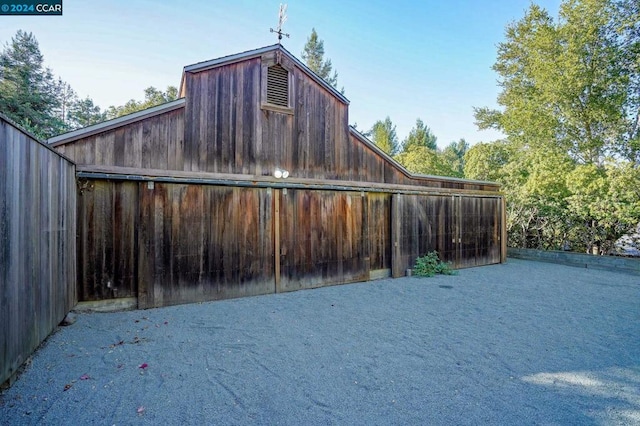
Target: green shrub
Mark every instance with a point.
(430, 264)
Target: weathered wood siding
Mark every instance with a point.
(221, 120)
(465, 231)
(153, 143)
(480, 231)
(223, 128)
(379, 211)
(37, 244)
(107, 239)
(201, 242)
(213, 153)
(323, 239)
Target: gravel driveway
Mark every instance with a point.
(519, 343)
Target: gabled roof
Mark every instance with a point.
(250, 54)
(116, 122)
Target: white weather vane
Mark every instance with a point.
(282, 18)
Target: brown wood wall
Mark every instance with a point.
(379, 211)
(199, 242)
(154, 143)
(223, 129)
(170, 243)
(465, 231)
(108, 213)
(323, 239)
(37, 244)
(177, 243)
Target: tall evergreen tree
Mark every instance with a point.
(420, 135)
(28, 90)
(313, 56)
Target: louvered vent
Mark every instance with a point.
(278, 86)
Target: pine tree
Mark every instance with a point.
(313, 55)
(421, 135)
(28, 91)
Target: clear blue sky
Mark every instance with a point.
(406, 59)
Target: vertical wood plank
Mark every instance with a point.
(276, 237)
(396, 229)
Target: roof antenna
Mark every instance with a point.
(282, 18)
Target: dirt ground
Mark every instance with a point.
(519, 343)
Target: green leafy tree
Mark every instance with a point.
(570, 102)
(28, 90)
(487, 161)
(422, 160)
(383, 134)
(313, 56)
(152, 97)
(420, 135)
(567, 83)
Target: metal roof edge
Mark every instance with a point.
(116, 122)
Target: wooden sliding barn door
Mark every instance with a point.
(321, 238)
(479, 231)
(203, 242)
(464, 230)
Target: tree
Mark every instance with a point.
(383, 134)
(487, 161)
(152, 97)
(453, 156)
(570, 108)
(313, 56)
(422, 160)
(420, 135)
(28, 91)
(568, 83)
(65, 100)
(84, 113)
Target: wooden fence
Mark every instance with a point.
(37, 244)
(178, 242)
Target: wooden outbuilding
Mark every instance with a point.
(253, 182)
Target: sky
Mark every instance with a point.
(427, 59)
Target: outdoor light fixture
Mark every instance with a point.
(280, 173)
